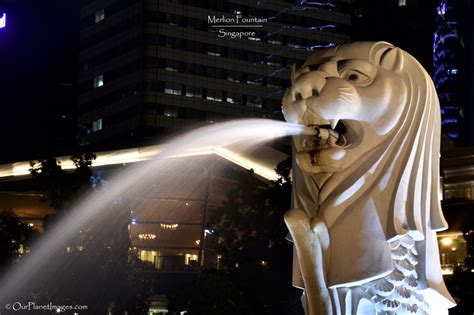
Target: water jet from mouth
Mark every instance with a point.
(95, 211)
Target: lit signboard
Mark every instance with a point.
(3, 20)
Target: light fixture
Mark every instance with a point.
(146, 236)
(198, 242)
(446, 241)
(168, 226)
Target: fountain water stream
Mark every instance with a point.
(96, 207)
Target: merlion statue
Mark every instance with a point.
(366, 206)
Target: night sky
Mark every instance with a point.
(38, 51)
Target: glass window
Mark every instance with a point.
(98, 81)
(193, 91)
(173, 88)
(99, 15)
(402, 3)
(234, 98)
(254, 101)
(97, 125)
(452, 71)
(235, 76)
(214, 95)
(171, 111)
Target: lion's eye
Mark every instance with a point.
(355, 76)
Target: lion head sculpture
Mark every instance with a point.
(379, 179)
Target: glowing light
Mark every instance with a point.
(143, 154)
(446, 62)
(446, 241)
(446, 271)
(31, 225)
(321, 4)
(198, 242)
(189, 257)
(171, 227)
(146, 236)
(3, 20)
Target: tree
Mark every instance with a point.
(60, 187)
(14, 238)
(460, 284)
(249, 233)
(94, 267)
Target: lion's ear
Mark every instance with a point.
(392, 60)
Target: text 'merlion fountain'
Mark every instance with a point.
(366, 206)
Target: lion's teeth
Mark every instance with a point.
(333, 123)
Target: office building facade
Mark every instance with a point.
(148, 67)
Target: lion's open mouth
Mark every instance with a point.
(325, 138)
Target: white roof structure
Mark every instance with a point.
(262, 160)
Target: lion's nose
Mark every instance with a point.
(308, 84)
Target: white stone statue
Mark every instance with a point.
(366, 204)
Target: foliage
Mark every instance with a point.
(61, 187)
(460, 284)
(249, 225)
(249, 234)
(14, 238)
(92, 268)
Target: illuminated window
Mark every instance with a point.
(153, 257)
(98, 81)
(193, 91)
(214, 95)
(254, 101)
(173, 88)
(402, 3)
(99, 15)
(234, 98)
(171, 111)
(190, 259)
(453, 71)
(97, 125)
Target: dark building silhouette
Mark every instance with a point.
(150, 67)
(408, 24)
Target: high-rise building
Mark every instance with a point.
(450, 69)
(148, 67)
